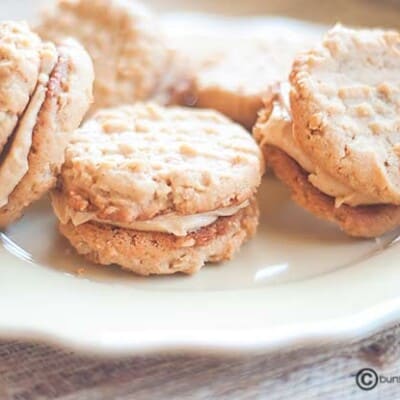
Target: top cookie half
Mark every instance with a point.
(345, 103)
(138, 162)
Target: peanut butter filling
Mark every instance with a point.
(178, 225)
(278, 132)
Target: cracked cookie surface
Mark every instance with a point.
(136, 162)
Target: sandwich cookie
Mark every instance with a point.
(45, 93)
(158, 190)
(236, 73)
(123, 39)
(21, 50)
(336, 145)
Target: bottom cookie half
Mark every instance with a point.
(148, 253)
(361, 221)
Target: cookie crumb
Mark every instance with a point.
(364, 110)
(188, 150)
(315, 122)
(396, 149)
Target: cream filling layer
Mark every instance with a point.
(178, 225)
(15, 164)
(278, 132)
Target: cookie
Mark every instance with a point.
(19, 75)
(123, 39)
(32, 157)
(345, 99)
(237, 72)
(324, 145)
(158, 190)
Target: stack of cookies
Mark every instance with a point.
(160, 189)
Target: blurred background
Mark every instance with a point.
(385, 13)
(359, 12)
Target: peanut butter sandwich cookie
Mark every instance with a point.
(236, 74)
(337, 144)
(158, 190)
(123, 39)
(45, 90)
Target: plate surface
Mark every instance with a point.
(299, 281)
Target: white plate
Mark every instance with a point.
(299, 281)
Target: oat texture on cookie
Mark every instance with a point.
(145, 160)
(345, 99)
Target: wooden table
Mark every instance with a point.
(37, 371)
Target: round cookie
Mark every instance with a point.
(19, 75)
(143, 183)
(137, 162)
(345, 99)
(30, 163)
(123, 39)
(237, 71)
